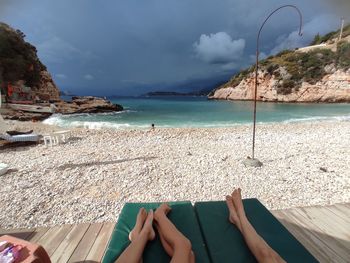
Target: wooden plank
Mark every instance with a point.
(53, 238)
(347, 205)
(69, 243)
(318, 230)
(19, 233)
(37, 234)
(306, 237)
(328, 222)
(98, 249)
(342, 210)
(83, 249)
(338, 213)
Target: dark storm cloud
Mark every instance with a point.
(342, 7)
(127, 47)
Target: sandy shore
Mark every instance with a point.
(90, 178)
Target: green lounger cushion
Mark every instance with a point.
(182, 216)
(226, 244)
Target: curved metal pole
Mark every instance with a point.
(257, 61)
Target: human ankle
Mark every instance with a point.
(158, 214)
(242, 218)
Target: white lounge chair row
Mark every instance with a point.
(20, 138)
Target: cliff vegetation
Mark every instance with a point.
(18, 58)
(291, 68)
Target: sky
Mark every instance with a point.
(130, 47)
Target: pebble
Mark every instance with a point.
(89, 179)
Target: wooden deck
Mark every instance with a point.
(69, 243)
(324, 231)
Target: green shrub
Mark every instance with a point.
(343, 55)
(286, 87)
(317, 40)
(18, 59)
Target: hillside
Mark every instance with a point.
(25, 80)
(319, 73)
(20, 66)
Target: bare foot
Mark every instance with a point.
(141, 217)
(233, 217)
(237, 202)
(163, 209)
(148, 226)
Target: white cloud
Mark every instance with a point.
(321, 24)
(219, 48)
(89, 77)
(61, 76)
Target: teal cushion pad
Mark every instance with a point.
(183, 217)
(225, 243)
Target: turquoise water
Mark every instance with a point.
(200, 112)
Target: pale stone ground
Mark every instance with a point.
(90, 178)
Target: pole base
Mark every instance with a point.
(252, 162)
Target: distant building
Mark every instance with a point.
(17, 92)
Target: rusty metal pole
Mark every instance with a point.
(251, 161)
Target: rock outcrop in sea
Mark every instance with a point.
(318, 73)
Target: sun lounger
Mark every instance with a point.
(20, 138)
(3, 168)
(213, 238)
(225, 242)
(15, 136)
(182, 215)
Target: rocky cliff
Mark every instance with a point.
(319, 73)
(334, 87)
(24, 79)
(20, 66)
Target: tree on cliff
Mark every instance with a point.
(18, 58)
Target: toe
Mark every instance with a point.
(229, 202)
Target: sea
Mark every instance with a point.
(174, 111)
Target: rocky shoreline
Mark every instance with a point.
(83, 104)
(91, 177)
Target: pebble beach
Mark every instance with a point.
(91, 176)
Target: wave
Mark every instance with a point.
(319, 118)
(98, 125)
(69, 121)
(94, 114)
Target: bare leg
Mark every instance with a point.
(133, 253)
(167, 247)
(180, 245)
(233, 217)
(140, 219)
(257, 245)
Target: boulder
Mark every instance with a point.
(87, 104)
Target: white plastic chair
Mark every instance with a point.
(57, 137)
